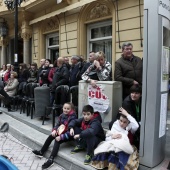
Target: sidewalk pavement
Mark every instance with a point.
(21, 155)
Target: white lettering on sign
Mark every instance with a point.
(164, 8)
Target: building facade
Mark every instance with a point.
(48, 29)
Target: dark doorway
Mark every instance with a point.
(54, 54)
(20, 50)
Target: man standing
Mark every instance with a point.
(128, 69)
(92, 57)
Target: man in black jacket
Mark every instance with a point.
(61, 77)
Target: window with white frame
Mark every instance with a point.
(52, 46)
(99, 38)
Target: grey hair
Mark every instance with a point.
(126, 44)
(76, 57)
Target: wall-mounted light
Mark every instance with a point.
(11, 3)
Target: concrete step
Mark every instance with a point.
(32, 133)
(33, 138)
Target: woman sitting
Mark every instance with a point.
(99, 70)
(12, 83)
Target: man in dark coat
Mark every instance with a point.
(92, 57)
(61, 77)
(128, 69)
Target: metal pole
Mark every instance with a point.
(16, 37)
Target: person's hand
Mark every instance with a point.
(123, 111)
(97, 64)
(72, 132)
(76, 136)
(54, 133)
(93, 83)
(135, 82)
(116, 136)
(58, 138)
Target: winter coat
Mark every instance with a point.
(94, 127)
(75, 74)
(127, 71)
(61, 77)
(44, 76)
(102, 75)
(65, 119)
(130, 106)
(11, 87)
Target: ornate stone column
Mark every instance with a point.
(26, 35)
(4, 42)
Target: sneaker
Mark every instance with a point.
(37, 153)
(87, 159)
(48, 164)
(77, 149)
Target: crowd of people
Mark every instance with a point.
(87, 131)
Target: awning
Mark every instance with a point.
(67, 8)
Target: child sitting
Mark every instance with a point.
(116, 142)
(60, 133)
(125, 125)
(87, 131)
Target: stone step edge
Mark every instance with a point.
(32, 143)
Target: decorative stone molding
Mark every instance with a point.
(4, 41)
(100, 10)
(26, 36)
(50, 25)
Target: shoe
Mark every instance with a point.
(10, 110)
(87, 159)
(48, 164)
(78, 148)
(37, 153)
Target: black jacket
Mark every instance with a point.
(94, 129)
(61, 77)
(130, 106)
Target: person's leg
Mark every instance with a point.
(6, 98)
(80, 143)
(44, 147)
(50, 161)
(92, 143)
(47, 143)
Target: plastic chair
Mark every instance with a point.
(62, 96)
(74, 96)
